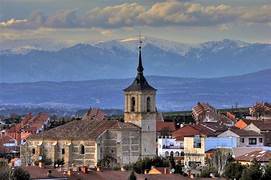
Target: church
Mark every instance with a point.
(87, 141)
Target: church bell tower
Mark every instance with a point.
(140, 109)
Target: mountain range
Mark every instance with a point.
(117, 59)
(173, 93)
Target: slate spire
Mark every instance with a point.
(140, 68)
(140, 83)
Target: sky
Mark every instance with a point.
(66, 22)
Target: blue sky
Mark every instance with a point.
(23, 22)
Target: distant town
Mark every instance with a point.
(140, 143)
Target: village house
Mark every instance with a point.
(169, 146)
(263, 128)
(244, 138)
(263, 157)
(261, 111)
(203, 112)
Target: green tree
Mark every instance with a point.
(233, 170)
(252, 172)
(20, 174)
(267, 172)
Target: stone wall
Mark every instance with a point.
(122, 145)
(54, 150)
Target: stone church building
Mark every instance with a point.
(86, 141)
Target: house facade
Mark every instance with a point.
(244, 138)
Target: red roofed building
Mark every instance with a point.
(165, 128)
(29, 125)
(263, 157)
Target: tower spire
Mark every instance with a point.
(140, 68)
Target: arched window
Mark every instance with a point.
(177, 153)
(148, 104)
(182, 153)
(33, 151)
(62, 151)
(171, 153)
(133, 104)
(167, 153)
(82, 149)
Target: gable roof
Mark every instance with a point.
(187, 131)
(243, 132)
(160, 125)
(262, 125)
(260, 156)
(82, 129)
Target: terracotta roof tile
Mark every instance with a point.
(162, 125)
(260, 156)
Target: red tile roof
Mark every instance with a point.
(160, 125)
(243, 132)
(262, 125)
(95, 113)
(82, 129)
(42, 173)
(260, 156)
(186, 131)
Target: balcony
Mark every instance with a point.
(172, 147)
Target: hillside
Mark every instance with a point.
(173, 93)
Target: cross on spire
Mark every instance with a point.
(140, 68)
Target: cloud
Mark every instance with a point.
(177, 13)
(12, 22)
(258, 15)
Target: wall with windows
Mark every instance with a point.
(194, 150)
(168, 146)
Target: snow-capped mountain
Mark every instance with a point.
(118, 59)
(132, 44)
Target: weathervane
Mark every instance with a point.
(140, 41)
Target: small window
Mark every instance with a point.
(182, 153)
(82, 149)
(148, 104)
(62, 151)
(167, 153)
(261, 140)
(197, 141)
(133, 104)
(242, 140)
(33, 151)
(252, 141)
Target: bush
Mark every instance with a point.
(20, 174)
(233, 170)
(207, 171)
(252, 172)
(267, 172)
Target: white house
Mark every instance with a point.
(169, 145)
(244, 138)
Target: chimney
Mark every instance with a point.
(165, 170)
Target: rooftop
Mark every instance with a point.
(260, 156)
